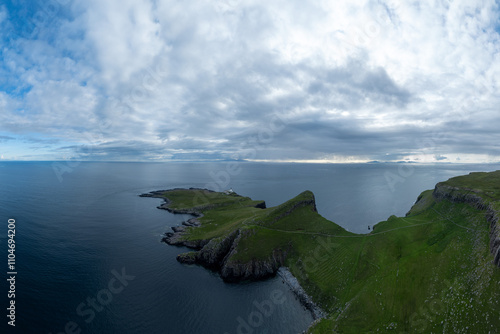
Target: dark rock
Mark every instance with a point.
(177, 239)
(178, 228)
(261, 205)
(173, 239)
(187, 258)
(195, 244)
(192, 222)
(235, 271)
(212, 255)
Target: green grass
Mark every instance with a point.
(483, 181)
(485, 184)
(202, 200)
(428, 272)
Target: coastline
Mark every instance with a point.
(173, 239)
(306, 300)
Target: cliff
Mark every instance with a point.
(223, 253)
(480, 201)
(218, 254)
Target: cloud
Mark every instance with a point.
(153, 80)
(3, 14)
(6, 138)
(440, 157)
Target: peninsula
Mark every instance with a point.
(434, 270)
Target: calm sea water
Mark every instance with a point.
(89, 257)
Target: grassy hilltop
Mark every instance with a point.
(431, 271)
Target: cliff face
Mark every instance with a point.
(213, 255)
(459, 195)
(219, 254)
(234, 271)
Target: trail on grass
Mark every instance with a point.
(340, 236)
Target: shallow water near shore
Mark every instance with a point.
(82, 227)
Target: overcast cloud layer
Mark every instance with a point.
(258, 80)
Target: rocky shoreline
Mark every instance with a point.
(175, 238)
(303, 297)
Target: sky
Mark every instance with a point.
(282, 80)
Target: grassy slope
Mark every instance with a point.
(428, 272)
(488, 184)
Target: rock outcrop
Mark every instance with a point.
(234, 271)
(459, 195)
(472, 197)
(219, 254)
(215, 252)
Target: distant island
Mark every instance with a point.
(434, 270)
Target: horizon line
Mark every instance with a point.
(372, 162)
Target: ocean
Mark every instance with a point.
(88, 255)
